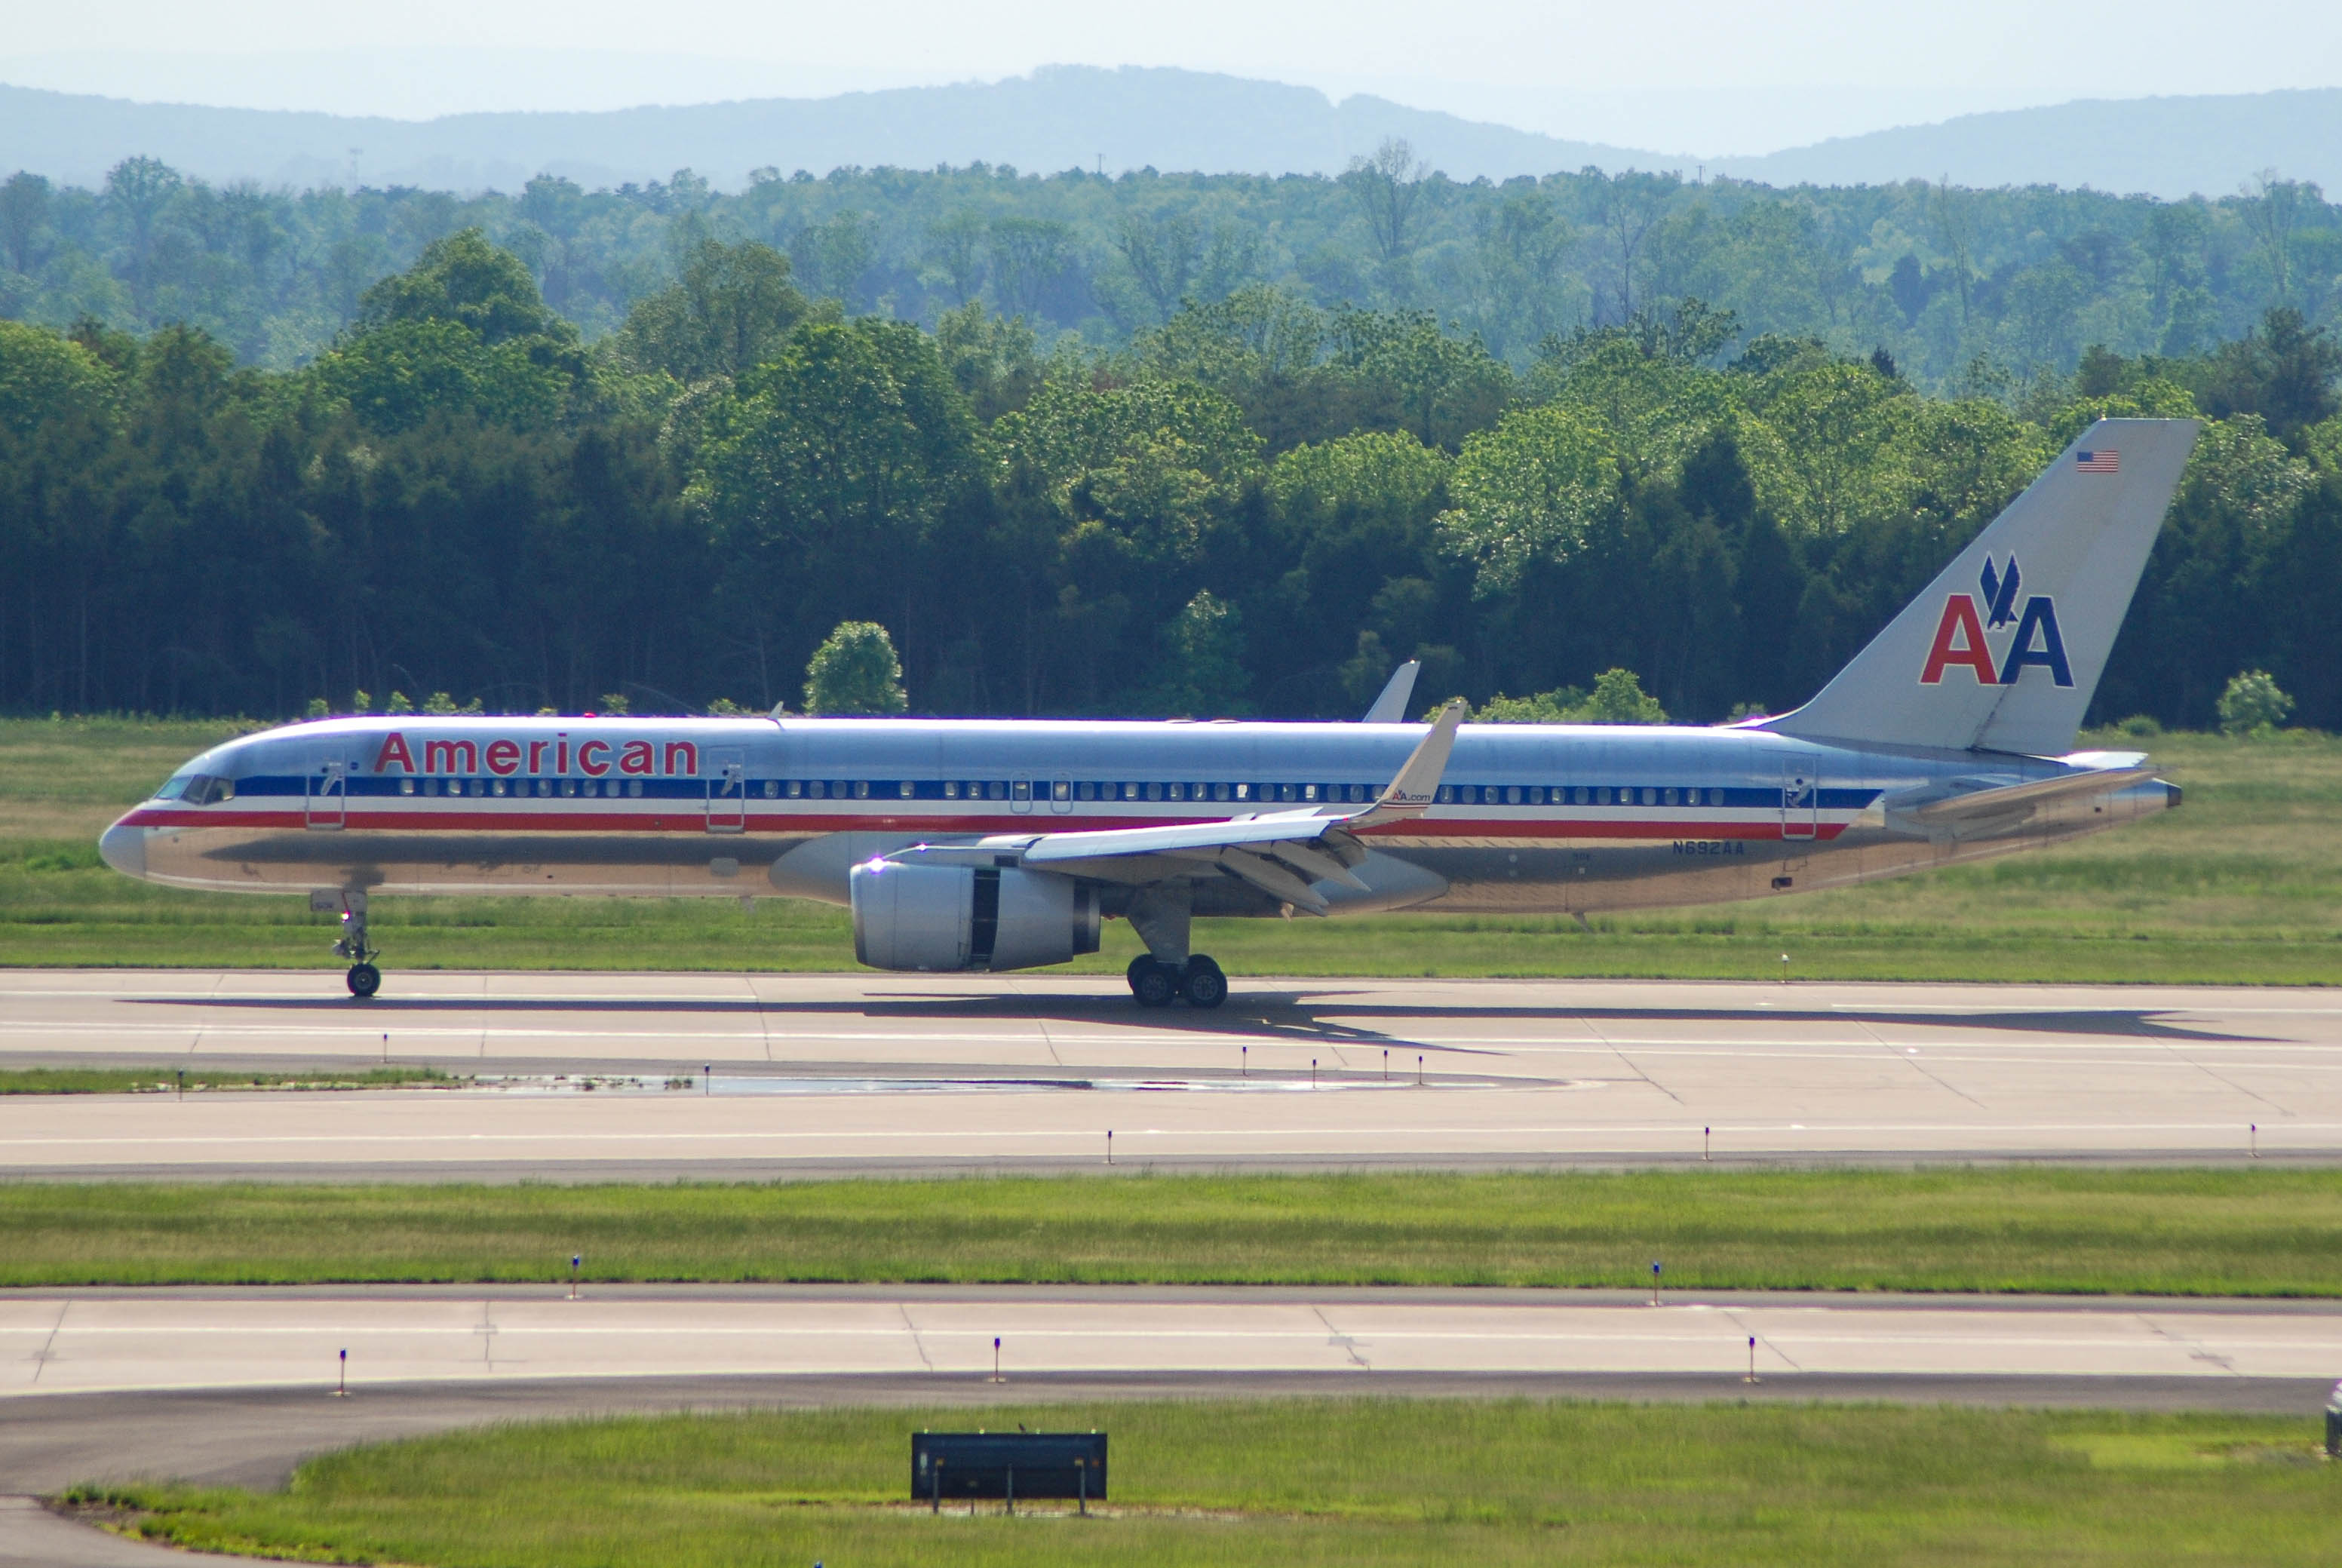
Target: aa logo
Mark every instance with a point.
(1960, 635)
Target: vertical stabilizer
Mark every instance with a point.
(2004, 650)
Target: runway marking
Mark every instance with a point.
(1088, 1135)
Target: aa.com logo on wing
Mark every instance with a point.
(1966, 631)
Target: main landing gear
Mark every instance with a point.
(364, 978)
(1156, 984)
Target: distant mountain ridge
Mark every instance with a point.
(1058, 118)
(1063, 117)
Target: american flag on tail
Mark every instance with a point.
(2102, 461)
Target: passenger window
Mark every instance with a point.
(1671, 797)
(455, 786)
(1219, 792)
(996, 790)
(816, 789)
(1244, 792)
(772, 789)
(861, 789)
(1021, 790)
(1577, 795)
(568, 787)
(904, 789)
(635, 787)
(406, 786)
(1513, 796)
(1651, 797)
(1155, 792)
(1308, 792)
(951, 789)
(1085, 792)
(1061, 790)
(1177, 791)
(497, 788)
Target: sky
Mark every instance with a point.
(1680, 74)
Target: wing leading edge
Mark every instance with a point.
(1280, 852)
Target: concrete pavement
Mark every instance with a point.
(866, 1074)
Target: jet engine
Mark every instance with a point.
(946, 918)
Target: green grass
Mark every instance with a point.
(2243, 885)
(2256, 1232)
(1315, 1482)
(149, 1080)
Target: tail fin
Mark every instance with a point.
(2004, 650)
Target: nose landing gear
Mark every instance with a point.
(1156, 983)
(364, 978)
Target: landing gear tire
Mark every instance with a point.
(364, 980)
(1201, 984)
(1154, 984)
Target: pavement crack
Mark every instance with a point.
(2196, 1350)
(1627, 1061)
(2225, 1081)
(1342, 1342)
(1763, 1341)
(913, 1329)
(47, 1353)
(487, 1333)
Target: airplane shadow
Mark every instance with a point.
(1320, 1015)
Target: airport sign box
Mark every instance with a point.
(1008, 1465)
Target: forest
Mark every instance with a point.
(1965, 288)
(652, 447)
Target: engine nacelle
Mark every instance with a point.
(948, 917)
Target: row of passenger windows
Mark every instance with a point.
(1240, 794)
(1064, 790)
(613, 788)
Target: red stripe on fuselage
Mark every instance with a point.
(687, 818)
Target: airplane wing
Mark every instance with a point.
(1280, 852)
(1390, 708)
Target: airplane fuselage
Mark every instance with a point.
(1563, 819)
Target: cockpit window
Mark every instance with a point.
(197, 789)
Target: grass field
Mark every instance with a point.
(1315, 1482)
(2255, 1232)
(2242, 886)
(147, 1080)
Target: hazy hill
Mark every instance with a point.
(1058, 118)
(2166, 146)
(1063, 117)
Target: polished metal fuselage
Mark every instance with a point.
(1564, 819)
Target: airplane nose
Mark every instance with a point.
(123, 849)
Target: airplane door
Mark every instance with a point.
(327, 789)
(1020, 794)
(727, 792)
(1801, 803)
(1061, 795)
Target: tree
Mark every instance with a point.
(1028, 256)
(956, 244)
(1532, 489)
(730, 310)
(2273, 211)
(1387, 187)
(2252, 704)
(832, 256)
(139, 189)
(23, 208)
(2284, 370)
(1200, 667)
(1161, 252)
(1630, 204)
(855, 674)
(466, 279)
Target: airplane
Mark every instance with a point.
(986, 844)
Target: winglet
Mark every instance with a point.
(1412, 790)
(1390, 708)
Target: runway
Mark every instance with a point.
(811, 1075)
(90, 1341)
